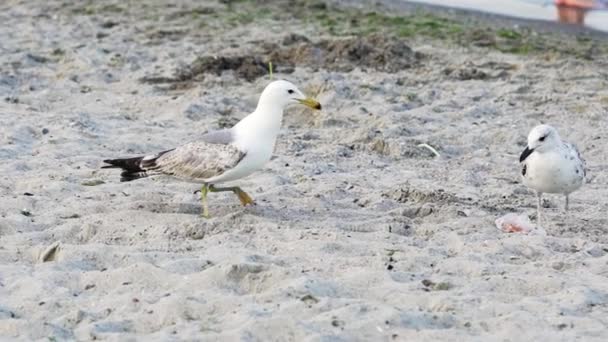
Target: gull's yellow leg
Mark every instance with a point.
(242, 195)
(204, 192)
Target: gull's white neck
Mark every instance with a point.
(263, 125)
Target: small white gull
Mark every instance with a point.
(550, 165)
(224, 155)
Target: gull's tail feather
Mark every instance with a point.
(131, 168)
(134, 168)
(127, 164)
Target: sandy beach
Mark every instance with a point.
(360, 233)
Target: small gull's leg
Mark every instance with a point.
(204, 191)
(566, 207)
(538, 207)
(242, 195)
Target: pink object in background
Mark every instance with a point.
(574, 11)
(584, 4)
(518, 223)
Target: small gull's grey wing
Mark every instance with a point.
(575, 154)
(197, 160)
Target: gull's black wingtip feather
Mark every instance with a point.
(131, 168)
(127, 164)
(127, 176)
(110, 164)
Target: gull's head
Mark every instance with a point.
(541, 138)
(282, 93)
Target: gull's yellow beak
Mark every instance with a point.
(312, 103)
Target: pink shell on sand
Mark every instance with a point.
(514, 223)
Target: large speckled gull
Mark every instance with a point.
(224, 155)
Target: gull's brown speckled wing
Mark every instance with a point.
(213, 155)
(195, 160)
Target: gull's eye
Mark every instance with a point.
(290, 91)
(542, 138)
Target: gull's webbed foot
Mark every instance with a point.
(244, 197)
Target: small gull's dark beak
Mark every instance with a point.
(525, 154)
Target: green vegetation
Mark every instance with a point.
(345, 21)
(340, 21)
(423, 24)
(270, 70)
(508, 34)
